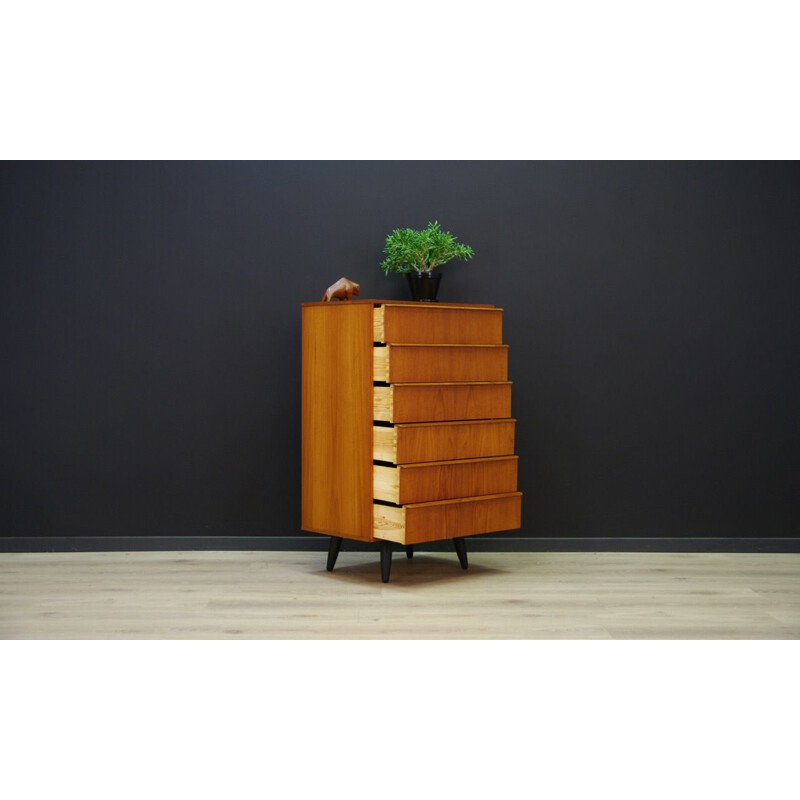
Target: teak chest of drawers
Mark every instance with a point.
(407, 435)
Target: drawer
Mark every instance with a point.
(443, 441)
(428, 323)
(445, 519)
(410, 363)
(434, 402)
(444, 480)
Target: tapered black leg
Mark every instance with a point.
(461, 548)
(333, 551)
(409, 551)
(386, 561)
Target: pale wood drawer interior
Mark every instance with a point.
(384, 443)
(380, 364)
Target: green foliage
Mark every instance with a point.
(408, 250)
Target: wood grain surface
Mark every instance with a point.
(289, 595)
(426, 323)
(427, 522)
(336, 410)
(443, 441)
(384, 443)
(445, 480)
(380, 363)
(445, 519)
(426, 363)
(432, 402)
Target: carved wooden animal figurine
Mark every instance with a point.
(343, 289)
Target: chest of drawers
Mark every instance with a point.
(407, 434)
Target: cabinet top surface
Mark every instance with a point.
(416, 303)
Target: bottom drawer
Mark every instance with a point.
(445, 519)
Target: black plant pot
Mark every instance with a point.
(424, 286)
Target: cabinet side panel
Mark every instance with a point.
(336, 461)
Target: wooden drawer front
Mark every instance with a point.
(445, 480)
(429, 324)
(398, 363)
(443, 441)
(434, 402)
(427, 522)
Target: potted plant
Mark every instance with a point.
(417, 253)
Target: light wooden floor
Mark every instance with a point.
(289, 595)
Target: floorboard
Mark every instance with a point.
(290, 595)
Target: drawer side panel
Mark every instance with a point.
(389, 523)
(384, 444)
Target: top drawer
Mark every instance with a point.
(429, 324)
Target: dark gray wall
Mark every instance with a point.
(150, 336)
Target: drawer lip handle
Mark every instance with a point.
(477, 460)
(452, 383)
(417, 344)
(440, 307)
(474, 499)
